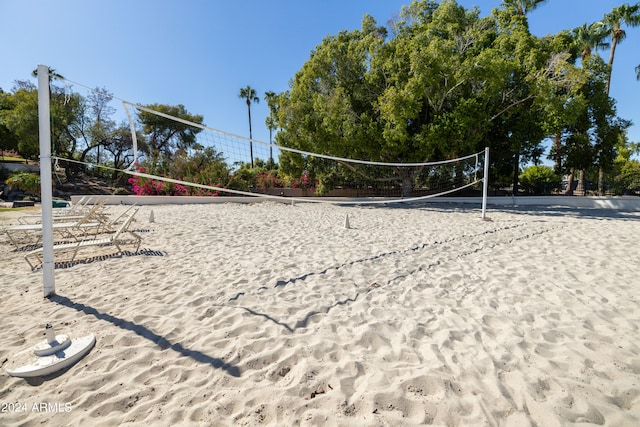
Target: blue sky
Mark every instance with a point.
(199, 53)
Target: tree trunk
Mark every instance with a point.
(569, 190)
(612, 54)
(557, 145)
(516, 173)
(581, 187)
(600, 182)
(250, 134)
(407, 182)
(270, 147)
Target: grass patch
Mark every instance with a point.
(12, 159)
(26, 208)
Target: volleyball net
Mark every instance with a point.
(168, 151)
(209, 161)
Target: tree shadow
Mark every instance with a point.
(145, 332)
(302, 323)
(570, 212)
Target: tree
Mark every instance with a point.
(588, 37)
(331, 107)
(53, 74)
(8, 139)
(270, 121)
(584, 39)
(73, 126)
(164, 136)
(120, 147)
(627, 175)
(21, 118)
(593, 136)
(19, 115)
(522, 7)
(445, 85)
(101, 111)
(249, 95)
(614, 20)
(536, 83)
(619, 16)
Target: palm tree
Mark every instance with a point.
(270, 97)
(589, 37)
(585, 39)
(249, 95)
(53, 74)
(625, 14)
(522, 7)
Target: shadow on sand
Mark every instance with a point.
(144, 332)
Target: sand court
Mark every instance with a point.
(272, 314)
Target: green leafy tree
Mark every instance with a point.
(204, 165)
(72, 126)
(20, 117)
(592, 137)
(8, 139)
(331, 107)
(164, 136)
(249, 95)
(535, 82)
(68, 122)
(627, 169)
(443, 86)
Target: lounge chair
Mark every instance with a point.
(116, 239)
(75, 229)
(74, 213)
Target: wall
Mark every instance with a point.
(619, 203)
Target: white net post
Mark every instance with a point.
(46, 196)
(485, 183)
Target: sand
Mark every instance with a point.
(272, 314)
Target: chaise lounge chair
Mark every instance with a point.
(75, 229)
(116, 239)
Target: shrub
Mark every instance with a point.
(304, 182)
(143, 186)
(25, 181)
(540, 180)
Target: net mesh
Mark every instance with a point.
(242, 166)
(167, 151)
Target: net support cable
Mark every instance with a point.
(328, 200)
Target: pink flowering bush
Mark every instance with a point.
(268, 179)
(304, 182)
(242, 179)
(143, 186)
